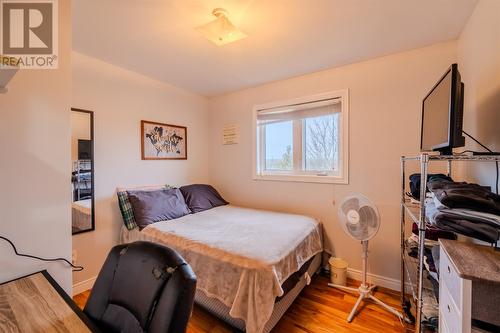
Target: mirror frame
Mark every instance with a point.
(92, 181)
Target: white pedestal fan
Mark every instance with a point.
(360, 220)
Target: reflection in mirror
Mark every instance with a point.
(82, 170)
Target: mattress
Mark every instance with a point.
(246, 279)
(83, 206)
(81, 215)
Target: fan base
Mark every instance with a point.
(365, 291)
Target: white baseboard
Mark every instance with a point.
(379, 280)
(355, 274)
(84, 285)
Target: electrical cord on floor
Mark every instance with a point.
(489, 150)
(75, 267)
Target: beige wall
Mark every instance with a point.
(385, 107)
(35, 164)
(479, 65)
(120, 99)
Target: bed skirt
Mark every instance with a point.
(218, 309)
(80, 220)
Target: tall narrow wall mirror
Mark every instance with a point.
(82, 171)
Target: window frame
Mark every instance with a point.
(341, 177)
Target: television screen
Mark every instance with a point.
(442, 114)
(436, 117)
(84, 149)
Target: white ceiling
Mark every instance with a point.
(286, 38)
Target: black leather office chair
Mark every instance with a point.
(142, 287)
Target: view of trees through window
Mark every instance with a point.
(319, 144)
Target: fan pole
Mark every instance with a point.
(364, 257)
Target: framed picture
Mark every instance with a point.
(163, 141)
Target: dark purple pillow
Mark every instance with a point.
(154, 206)
(201, 197)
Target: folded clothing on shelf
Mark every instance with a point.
(433, 232)
(435, 257)
(464, 208)
(430, 312)
(412, 245)
(435, 286)
(477, 216)
(430, 309)
(467, 227)
(429, 263)
(465, 195)
(82, 177)
(415, 182)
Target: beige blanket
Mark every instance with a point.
(81, 212)
(240, 256)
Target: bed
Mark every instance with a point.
(81, 215)
(251, 264)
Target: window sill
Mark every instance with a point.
(304, 179)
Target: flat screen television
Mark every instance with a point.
(84, 149)
(442, 114)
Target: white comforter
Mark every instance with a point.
(240, 256)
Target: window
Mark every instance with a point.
(303, 139)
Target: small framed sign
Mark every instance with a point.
(163, 141)
(230, 134)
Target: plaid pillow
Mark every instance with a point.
(126, 207)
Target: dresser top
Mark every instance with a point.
(472, 261)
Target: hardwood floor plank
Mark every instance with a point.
(318, 309)
(81, 299)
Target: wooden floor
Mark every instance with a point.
(318, 309)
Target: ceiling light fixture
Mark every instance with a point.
(221, 31)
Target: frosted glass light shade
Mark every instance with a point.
(221, 31)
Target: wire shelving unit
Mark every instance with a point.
(412, 269)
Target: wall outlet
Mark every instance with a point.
(73, 257)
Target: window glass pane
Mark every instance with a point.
(279, 146)
(321, 143)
